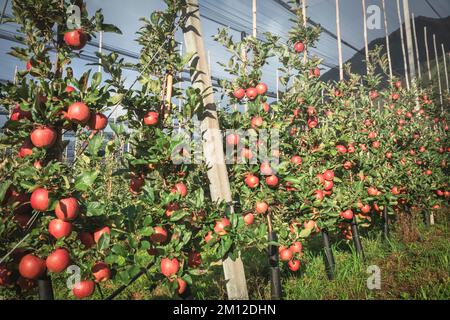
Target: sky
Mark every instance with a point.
(271, 16)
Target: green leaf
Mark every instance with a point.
(95, 144)
(84, 181)
(103, 242)
(95, 209)
(3, 189)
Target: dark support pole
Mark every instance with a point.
(385, 224)
(426, 217)
(45, 288)
(356, 239)
(329, 258)
(275, 278)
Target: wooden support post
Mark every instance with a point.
(278, 85)
(366, 41)
(338, 28)
(436, 58)
(212, 143)
(427, 52)
(305, 52)
(388, 50)
(100, 48)
(180, 101)
(419, 69)
(409, 42)
(405, 63)
(445, 65)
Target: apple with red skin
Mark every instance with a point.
(59, 228)
(319, 195)
(347, 214)
(351, 148)
(246, 153)
(194, 259)
(373, 94)
(151, 118)
(31, 267)
(239, 93)
(261, 88)
(251, 181)
(26, 149)
(182, 285)
(312, 123)
(256, 121)
(58, 260)
(43, 137)
(78, 112)
(299, 47)
(171, 208)
(69, 89)
(340, 148)
(285, 254)
(98, 121)
(67, 209)
(5, 276)
(159, 235)
(233, 139)
(39, 199)
(372, 191)
(376, 144)
(136, 183)
(328, 175)
(100, 232)
(296, 247)
(266, 169)
(101, 272)
(76, 39)
(388, 155)
(220, 226)
(169, 267)
(261, 207)
(365, 209)
(251, 93)
(180, 188)
(249, 218)
(372, 135)
(29, 66)
(294, 265)
(328, 185)
(311, 111)
(266, 107)
(208, 237)
(348, 165)
(83, 289)
(398, 84)
(18, 114)
(296, 160)
(314, 72)
(395, 96)
(86, 239)
(395, 190)
(272, 181)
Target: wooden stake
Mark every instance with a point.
(405, 64)
(427, 52)
(436, 58)
(419, 70)
(100, 47)
(409, 42)
(180, 83)
(254, 18)
(445, 65)
(212, 143)
(338, 28)
(305, 52)
(388, 50)
(366, 41)
(278, 85)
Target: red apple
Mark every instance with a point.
(31, 267)
(78, 112)
(83, 289)
(67, 209)
(76, 39)
(58, 260)
(43, 137)
(169, 267)
(39, 199)
(101, 272)
(151, 118)
(59, 228)
(220, 226)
